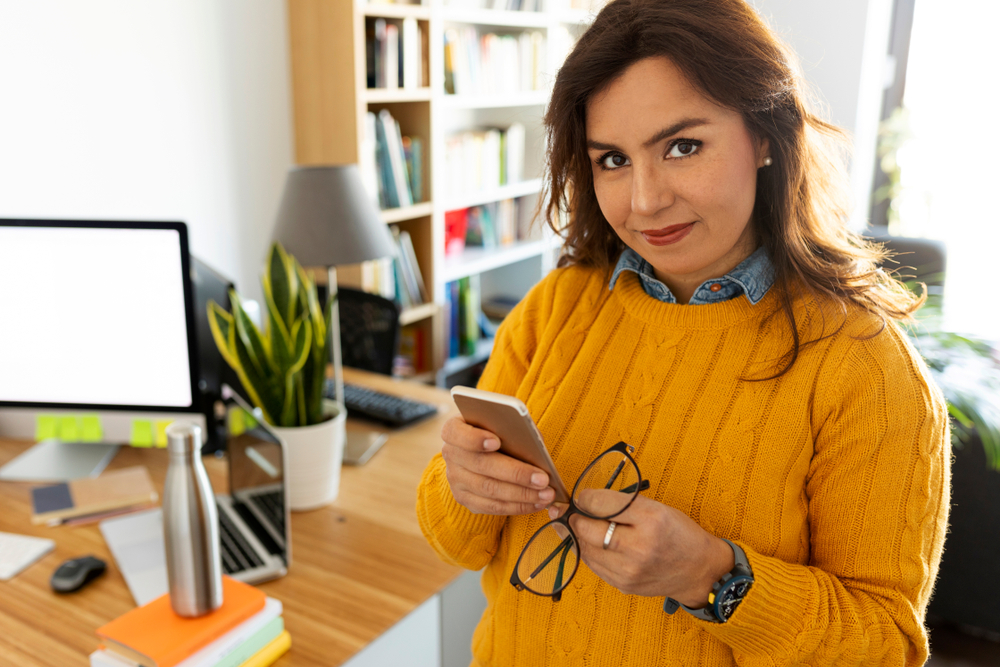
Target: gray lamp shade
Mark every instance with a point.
(327, 218)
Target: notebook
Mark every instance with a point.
(79, 497)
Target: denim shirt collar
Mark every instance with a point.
(752, 277)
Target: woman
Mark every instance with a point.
(713, 312)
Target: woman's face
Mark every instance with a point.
(675, 174)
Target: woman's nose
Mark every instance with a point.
(651, 190)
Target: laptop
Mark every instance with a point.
(254, 526)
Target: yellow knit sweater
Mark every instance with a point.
(834, 478)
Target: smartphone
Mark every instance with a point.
(509, 419)
(361, 443)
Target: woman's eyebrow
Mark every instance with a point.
(669, 131)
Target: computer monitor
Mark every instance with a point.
(98, 317)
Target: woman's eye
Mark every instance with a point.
(683, 148)
(613, 161)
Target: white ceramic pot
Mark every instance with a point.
(315, 454)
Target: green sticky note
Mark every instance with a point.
(142, 433)
(248, 420)
(237, 421)
(45, 427)
(69, 429)
(161, 432)
(91, 429)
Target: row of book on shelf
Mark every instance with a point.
(392, 165)
(469, 318)
(248, 630)
(482, 160)
(396, 52)
(491, 63)
(487, 226)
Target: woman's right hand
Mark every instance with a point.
(487, 482)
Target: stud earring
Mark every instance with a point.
(768, 161)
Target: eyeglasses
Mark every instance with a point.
(549, 560)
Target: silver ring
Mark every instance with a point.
(611, 531)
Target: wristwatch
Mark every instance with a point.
(727, 593)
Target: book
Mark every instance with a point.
(270, 653)
(92, 495)
(410, 54)
(392, 54)
(413, 268)
(230, 650)
(396, 158)
(154, 636)
(389, 195)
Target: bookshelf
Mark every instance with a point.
(331, 61)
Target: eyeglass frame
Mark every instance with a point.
(642, 485)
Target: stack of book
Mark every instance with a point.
(396, 53)
(246, 631)
(492, 64)
(392, 166)
(484, 160)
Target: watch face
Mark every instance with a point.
(731, 596)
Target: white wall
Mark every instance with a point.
(152, 110)
(841, 46)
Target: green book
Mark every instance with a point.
(255, 643)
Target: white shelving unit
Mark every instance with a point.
(331, 99)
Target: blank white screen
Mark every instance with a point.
(93, 316)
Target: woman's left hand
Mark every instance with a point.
(655, 550)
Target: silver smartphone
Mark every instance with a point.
(362, 443)
(508, 418)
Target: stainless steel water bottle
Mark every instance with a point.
(190, 526)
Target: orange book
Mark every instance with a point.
(154, 636)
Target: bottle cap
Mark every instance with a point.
(183, 438)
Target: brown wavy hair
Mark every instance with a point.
(801, 209)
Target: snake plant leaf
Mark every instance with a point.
(221, 324)
(302, 331)
(278, 333)
(312, 304)
(282, 282)
(246, 331)
(260, 387)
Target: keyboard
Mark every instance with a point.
(237, 554)
(19, 551)
(386, 409)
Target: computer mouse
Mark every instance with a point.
(76, 573)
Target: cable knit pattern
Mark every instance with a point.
(834, 478)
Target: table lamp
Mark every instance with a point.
(327, 218)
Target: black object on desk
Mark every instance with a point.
(76, 573)
(387, 409)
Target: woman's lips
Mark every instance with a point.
(667, 235)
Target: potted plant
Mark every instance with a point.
(283, 369)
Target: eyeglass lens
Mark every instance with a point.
(612, 471)
(552, 556)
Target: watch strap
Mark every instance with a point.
(742, 566)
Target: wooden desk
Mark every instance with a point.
(358, 566)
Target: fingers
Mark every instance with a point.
(486, 481)
(459, 433)
(494, 495)
(591, 532)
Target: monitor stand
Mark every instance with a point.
(56, 461)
